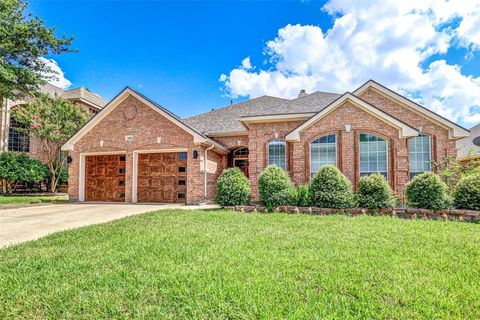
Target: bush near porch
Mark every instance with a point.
(224, 265)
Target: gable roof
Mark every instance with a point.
(405, 130)
(198, 138)
(229, 119)
(455, 131)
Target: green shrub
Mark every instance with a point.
(467, 193)
(331, 189)
(233, 188)
(427, 191)
(374, 192)
(301, 195)
(19, 167)
(275, 187)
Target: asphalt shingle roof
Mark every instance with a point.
(227, 119)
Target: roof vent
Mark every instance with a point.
(302, 93)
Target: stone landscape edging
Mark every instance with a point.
(406, 213)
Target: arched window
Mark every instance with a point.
(419, 149)
(277, 153)
(373, 155)
(18, 136)
(240, 152)
(323, 151)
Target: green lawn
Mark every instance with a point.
(27, 199)
(224, 264)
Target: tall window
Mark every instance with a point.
(18, 138)
(323, 151)
(373, 155)
(420, 154)
(277, 153)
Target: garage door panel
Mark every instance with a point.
(158, 176)
(105, 178)
(156, 182)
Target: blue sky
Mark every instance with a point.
(175, 52)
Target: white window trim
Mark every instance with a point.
(310, 151)
(268, 152)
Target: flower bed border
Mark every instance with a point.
(406, 213)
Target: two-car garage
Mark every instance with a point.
(160, 177)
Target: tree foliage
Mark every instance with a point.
(52, 121)
(19, 167)
(24, 40)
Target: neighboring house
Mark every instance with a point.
(469, 147)
(12, 138)
(137, 151)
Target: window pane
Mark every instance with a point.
(323, 151)
(276, 153)
(419, 155)
(373, 155)
(18, 137)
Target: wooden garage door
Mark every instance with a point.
(105, 178)
(162, 177)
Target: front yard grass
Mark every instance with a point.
(29, 199)
(224, 264)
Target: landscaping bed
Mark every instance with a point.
(407, 213)
(220, 264)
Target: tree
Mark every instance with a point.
(24, 40)
(52, 121)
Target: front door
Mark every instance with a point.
(242, 164)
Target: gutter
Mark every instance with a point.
(205, 171)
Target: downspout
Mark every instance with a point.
(205, 171)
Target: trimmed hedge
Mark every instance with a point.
(427, 191)
(467, 193)
(275, 187)
(233, 188)
(374, 192)
(331, 189)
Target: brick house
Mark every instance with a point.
(14, 139)
(137, 151)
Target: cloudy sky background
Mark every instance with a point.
(427, 50)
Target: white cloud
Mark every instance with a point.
(246, 64)
(389, 44)
(58, 77)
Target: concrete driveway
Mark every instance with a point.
(29, 223)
